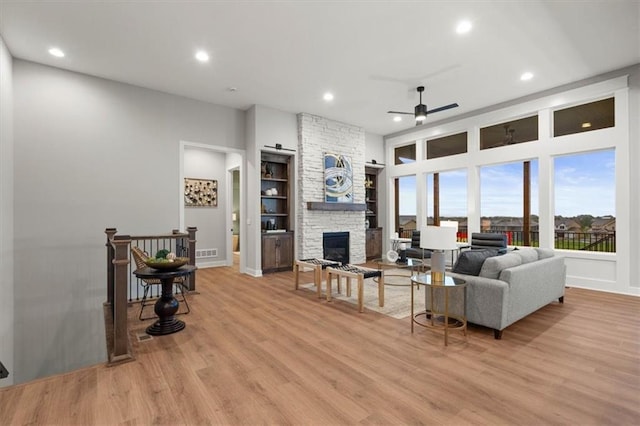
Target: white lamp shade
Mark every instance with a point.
(438, 238)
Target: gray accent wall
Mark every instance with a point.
(90, 153)
(210, 221)
(6, 215)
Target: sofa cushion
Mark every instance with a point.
(492, 266)
(527, 255)
(544, 253)
(470, 261)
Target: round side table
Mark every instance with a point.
(432, 317)
(167, 305)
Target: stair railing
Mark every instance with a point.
(120, 282)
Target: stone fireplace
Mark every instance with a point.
(317, 136)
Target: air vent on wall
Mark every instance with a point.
(206, 253)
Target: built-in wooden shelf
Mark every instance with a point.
(344, 207)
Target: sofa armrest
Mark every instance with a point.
(534, 285)
(487, 301)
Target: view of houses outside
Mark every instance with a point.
(584, 188)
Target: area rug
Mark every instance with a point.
(397, 298)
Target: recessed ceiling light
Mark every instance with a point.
(56, 52)
(586, 125)
(526, 76)
(328, 96)
(202, 56)
(397, 118)
(463, 27)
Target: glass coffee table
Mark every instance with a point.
(433, 317)
(412, 265)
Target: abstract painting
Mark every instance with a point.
(200, 192)
(338, 178)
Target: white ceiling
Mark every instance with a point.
(370, 54)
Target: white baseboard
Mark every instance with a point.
(214, 264)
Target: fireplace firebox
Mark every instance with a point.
(335, 246)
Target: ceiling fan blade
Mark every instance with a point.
(442, 108)
(399, 112)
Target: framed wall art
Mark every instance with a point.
(200, 192)
(338, 178)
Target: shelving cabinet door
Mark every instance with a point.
(277, 252)
(269, 253)
(285, 251)
(373, 244)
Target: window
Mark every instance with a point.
(450, 199)
(584, 187)
(509, 201)
(509, 133)
(405, 154)
(447, 145)
(405, 204)
(584, 118)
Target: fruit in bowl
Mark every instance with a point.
(166, 260)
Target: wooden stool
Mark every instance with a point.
(317, 265)
(360, 273)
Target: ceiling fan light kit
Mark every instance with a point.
(421, 112)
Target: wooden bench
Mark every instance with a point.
(317, 265)
(359, 273)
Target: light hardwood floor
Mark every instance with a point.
(257, 352)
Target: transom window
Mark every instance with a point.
(447, 145)
(405, 154)
(584, 118)
(509, 133)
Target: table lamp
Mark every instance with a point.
(451, 223)
(438, 239)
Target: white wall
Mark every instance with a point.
(598, 271)
(90, 154)
(374, 147)
(6, 215)
(210, 221)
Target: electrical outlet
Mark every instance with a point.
(4, 373)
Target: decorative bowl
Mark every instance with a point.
(392, 255)
(164, 265)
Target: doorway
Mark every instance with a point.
(235, 215)
(216, 226)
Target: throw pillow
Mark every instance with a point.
(492, 267)
(544, 253)
(470, 261)
(527, 255)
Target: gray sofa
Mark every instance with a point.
(512, 286)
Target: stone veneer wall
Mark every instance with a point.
(317, 135)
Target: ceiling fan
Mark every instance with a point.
(421, 111)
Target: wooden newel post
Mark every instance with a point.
(121, 261)
(192, 255)
(110, 273)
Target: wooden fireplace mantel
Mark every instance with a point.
(344, 207)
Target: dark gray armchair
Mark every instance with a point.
(489, 240)
(415, 252)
